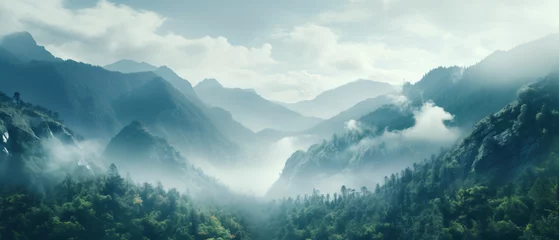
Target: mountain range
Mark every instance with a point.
(464, 153)
(338, 123)
(332, 102)
(97, 103)
(251, 109)
(467, 94)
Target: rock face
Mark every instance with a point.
(37, 149)
(503, 144)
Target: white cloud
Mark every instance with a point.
(108, 32)
(352, 125)
(429, 125)
(384, 40)
(429, 128)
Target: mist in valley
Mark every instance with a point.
(306, 120)
(255, 176)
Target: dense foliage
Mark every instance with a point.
(416, 205)
(110, 207)
(501, 182)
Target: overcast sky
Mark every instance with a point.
(287, 50)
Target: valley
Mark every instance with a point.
(135, 149)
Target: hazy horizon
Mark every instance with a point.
(286, 52)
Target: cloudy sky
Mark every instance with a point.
(287, 50)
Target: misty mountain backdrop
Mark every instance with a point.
(331, 102)
(97, 103)
(134, 151)
(251, 109)
(446, 100)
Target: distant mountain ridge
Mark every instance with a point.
(97, 103)
(24, 47)
(150, 159)
(474, 92)
(130, 66)
(334, 101)
(469, 94)
(338, 123)
(221, 118)
(252, 110)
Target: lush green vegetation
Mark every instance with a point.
(110, 207)
(417, 204)
(500, 183)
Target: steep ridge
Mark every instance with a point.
(151, 159)
(220, 117)
(87, 98)
(251, 109)
(360, 155)
(467, 94)
(338, 123)
(51, 190)
(37, 150)
(477, 91)
(332, 102)
(164, 109)
(22, 45)
(130, 66)
(500, 182)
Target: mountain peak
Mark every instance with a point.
(209, 83)
(20, 37)
(130, 66)
(23, 46)
(136, 125)
(165, 68)
(135, 128)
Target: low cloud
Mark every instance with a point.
(399, 150)
(429, 128)
(429, 125)
(255, 176)
(62, 158)
(352, 125)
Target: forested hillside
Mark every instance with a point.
(53, 187)
(111, 207)
(501, 182)
(465, 96)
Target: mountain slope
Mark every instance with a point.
(49, 192)
(477, 91)
(467, 94)
(165, 110)
(37, 150)
(23, 46)
(91, 100)
(150, 159)
(251, 109)
(221, 118)
(332, 102)
(499, 183)
(130, 66)
(338, 123)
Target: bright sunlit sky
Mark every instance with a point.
(287, 50)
